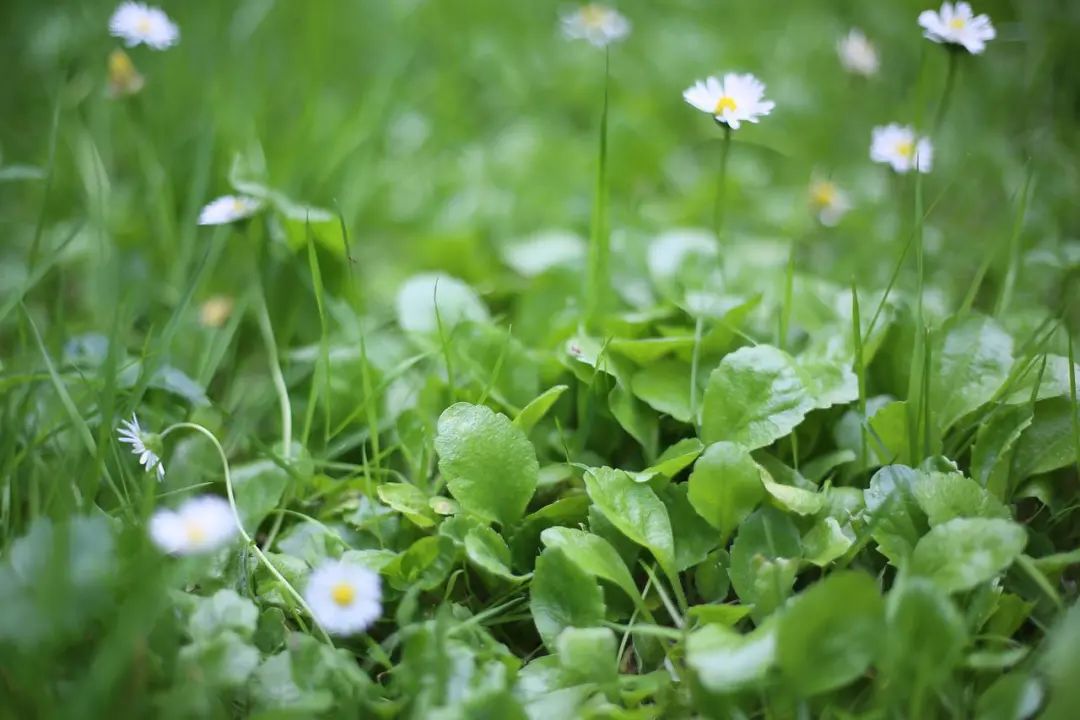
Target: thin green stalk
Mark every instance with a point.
(240, 525)
(695, 359)
(860, 373)
(276, 375)
(1015, 246)
(950, 83)
(785, 310)
(1075, 406)
(597, 288)
(720, 206)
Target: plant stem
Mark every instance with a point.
(597, 288)
(719, 207)
(275, 373)
(950, 83)
(240, 525)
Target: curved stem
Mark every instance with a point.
(240, 525)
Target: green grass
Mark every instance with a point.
(821, 472)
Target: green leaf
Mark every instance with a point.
(534, 412)
(636, 511)
(1048, 443)
(428, 299)
(410, 501)
(961, 553)
(635, 418)
(665, 386)
(224, 660)
(831, 633)
(896, 517)
(563, 595)
(223, 611)
(594, 555)
(763, 559)
(827, 541)
(725, 486)
(793, 499)
(570, 510)
(726, 615)
(489, 465)
(673, 460)
(258, 487)
(587, 655)
(972, 358)
(425, 564)
(992, 453)
(694, 537)
(926, 634)
(726, 661)
(944, 496)
(754, 397)
(486, 549)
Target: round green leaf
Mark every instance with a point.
(755, 396)
(489, 465)
(725, 486)
(960, 554)
(563, 595)
(831, 633)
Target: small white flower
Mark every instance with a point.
(200, 525)
(957, 25)
(731, 101)
(344, 598)
(898, 146)
(136, 23)
(828, 201)
(857, 54)
(229, 208)
(598, 24)
(143, 444)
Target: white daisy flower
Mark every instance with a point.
(731, 101)
(958, 25)
(136, 23)
(215, 311)
(857, 54)
(200, 525)
(229, 208)
(124, 79)
(828, 201)
(344, 598)
(596, 23)
(898, 146)
(145, 445)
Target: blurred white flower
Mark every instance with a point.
(957, 25)
(124, 79)
(857, 54)
(828, 201)
(143, 444)
(215, 311)
(136, 23)
(200, 525)
(731, 101)
(898, 146)
(228, 208)
(344, 598)
(596, 23)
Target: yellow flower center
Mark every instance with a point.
(238, 206)
(144, 26)
(593, 15)
(726, 102)
(823, 193)
(905, 148)
(957, 23)
(343, 594)
(196, 533)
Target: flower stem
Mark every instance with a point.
(719, 206)
(597, 288)
(946, 95)
(240, 525)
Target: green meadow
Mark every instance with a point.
(525, 360)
